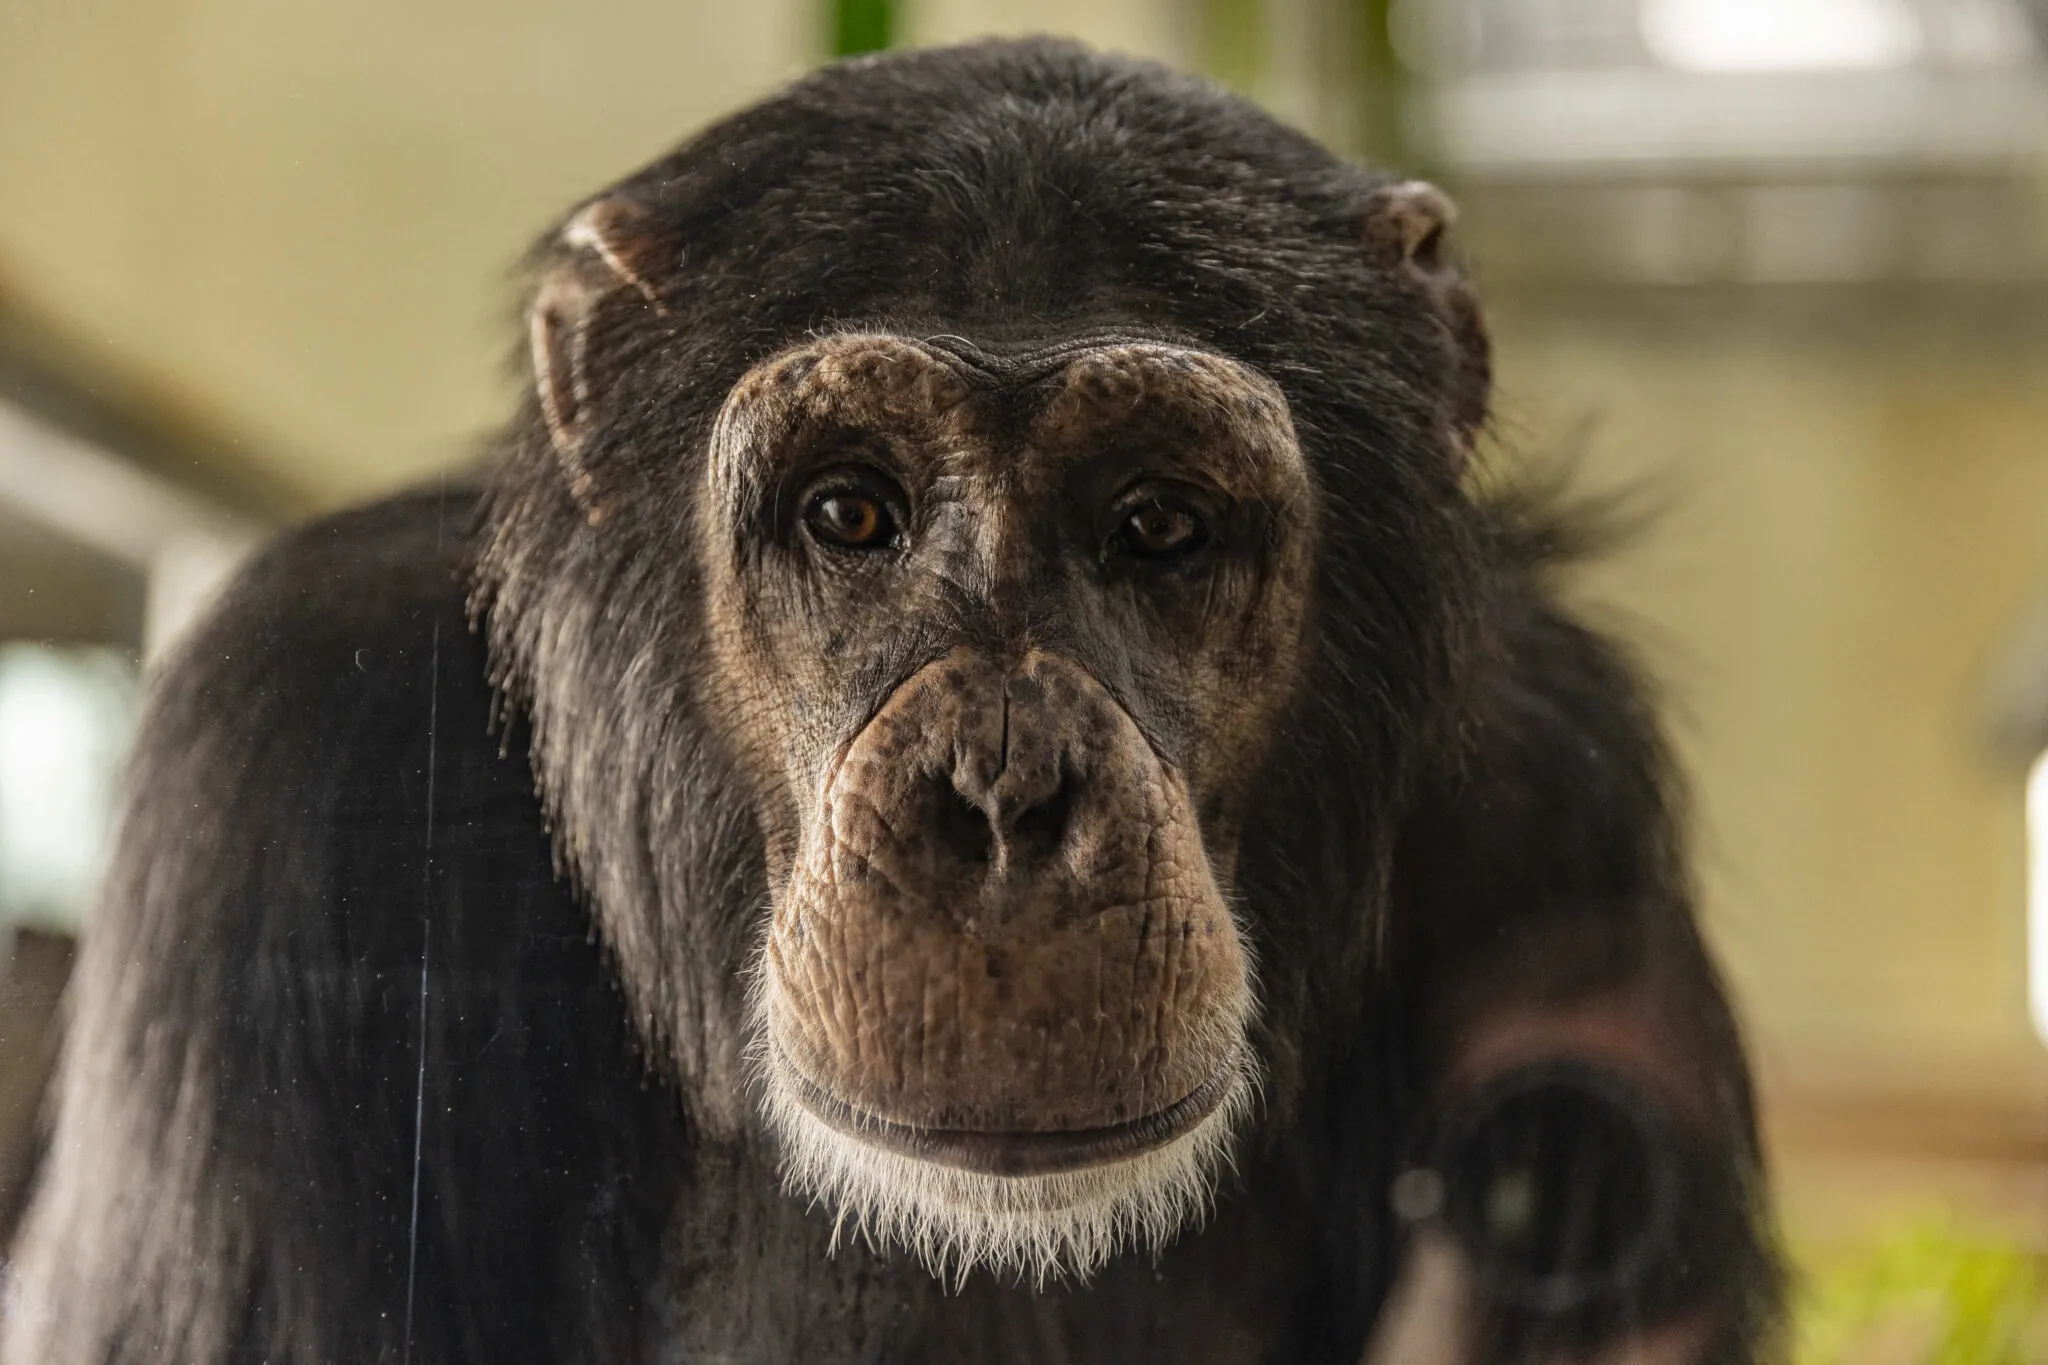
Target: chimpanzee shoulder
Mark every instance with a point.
(334, 943)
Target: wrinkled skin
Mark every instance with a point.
(999, 911)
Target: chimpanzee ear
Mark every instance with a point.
(603, 272)
(1406, 229)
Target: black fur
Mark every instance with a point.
(355, 1076)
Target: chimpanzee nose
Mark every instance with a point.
(1029, 816)
(1007, 801)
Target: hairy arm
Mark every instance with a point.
(1547, 916)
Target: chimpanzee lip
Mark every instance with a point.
(1013, 1152)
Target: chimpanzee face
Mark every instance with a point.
(1001, 637)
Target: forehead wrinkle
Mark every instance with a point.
(1246, 413)
(1020, 367)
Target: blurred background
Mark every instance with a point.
(1788, 258)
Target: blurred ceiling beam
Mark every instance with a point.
(1623, 121)
(182, 545)
(54, 376)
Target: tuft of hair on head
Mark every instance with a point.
(1545, 512)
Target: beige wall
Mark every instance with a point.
(1160, 29)
(301, 217)
(1857, 518)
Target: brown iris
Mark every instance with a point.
(851, 519)
(1161, 528)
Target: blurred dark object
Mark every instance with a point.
(1576, 1197)
(119, 511)
(30, 1030)
(2018, 702)
(52, 588)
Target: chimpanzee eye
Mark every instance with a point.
(1161, 528)
(850, 519)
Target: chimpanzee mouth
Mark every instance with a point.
(1011, 1152)
(1046, 1204)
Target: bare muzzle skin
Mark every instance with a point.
(1001, 946)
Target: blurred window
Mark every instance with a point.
(1716, 36)
(1780, 35)
(65, 716)
(1749, 142)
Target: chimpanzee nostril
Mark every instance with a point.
(1036, 832)
(1011, 828)
(959, 827)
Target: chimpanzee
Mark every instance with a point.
(979, 778)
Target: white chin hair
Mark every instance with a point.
(1044, 1227)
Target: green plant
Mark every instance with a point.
(1928, 1292)
(859, 26)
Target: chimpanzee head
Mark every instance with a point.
(983, 561)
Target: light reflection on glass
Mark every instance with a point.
(1780, 35)
(65, 716)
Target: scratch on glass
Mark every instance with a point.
(419, 1098)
